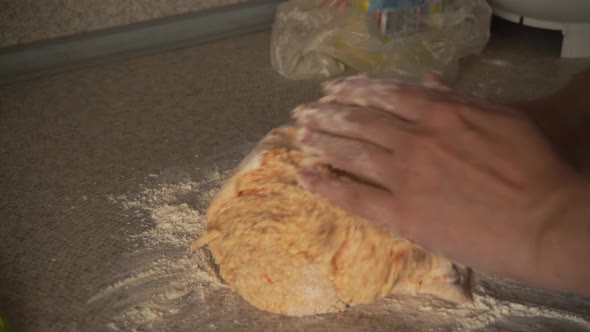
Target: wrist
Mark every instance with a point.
(558, 124)
(561, 247)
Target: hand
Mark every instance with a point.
(472, 180)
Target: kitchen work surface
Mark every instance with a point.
(106, 172)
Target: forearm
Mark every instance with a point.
(564, 117)
(562, 260)
(572, 100)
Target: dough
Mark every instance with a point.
(290, 252)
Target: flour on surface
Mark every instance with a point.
(168, 281)
(164, 289)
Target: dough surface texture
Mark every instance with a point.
(290, 252)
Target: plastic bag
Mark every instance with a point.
(322, 38)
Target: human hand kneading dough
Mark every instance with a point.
(475, 181)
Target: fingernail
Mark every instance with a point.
(334, 86)
(305, 112)
(327, 99)
(307, 179)
(305, 135)
(332, 83)
(361, 102)
(311, 158)
(298, 110)
(434, 80)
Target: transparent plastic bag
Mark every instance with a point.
(322, 38)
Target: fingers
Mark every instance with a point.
(365, 124)
(434, 80)
(357, 199)
(361, 159)
(430, 106)
(407, 102)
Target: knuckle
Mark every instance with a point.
(420, 139)
(370, 157)
(348, 115)
(360, 156)
(422, 144)
(447, 115)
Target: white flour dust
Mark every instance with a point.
(489, 312)
(165, 289)
(164, 280)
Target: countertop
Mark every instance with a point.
(77, 148)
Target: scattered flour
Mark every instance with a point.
(166, 289)
(170, 281)
(486, 313)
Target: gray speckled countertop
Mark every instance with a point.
(25, 21)
(70, 141)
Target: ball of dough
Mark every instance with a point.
(290, 252)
